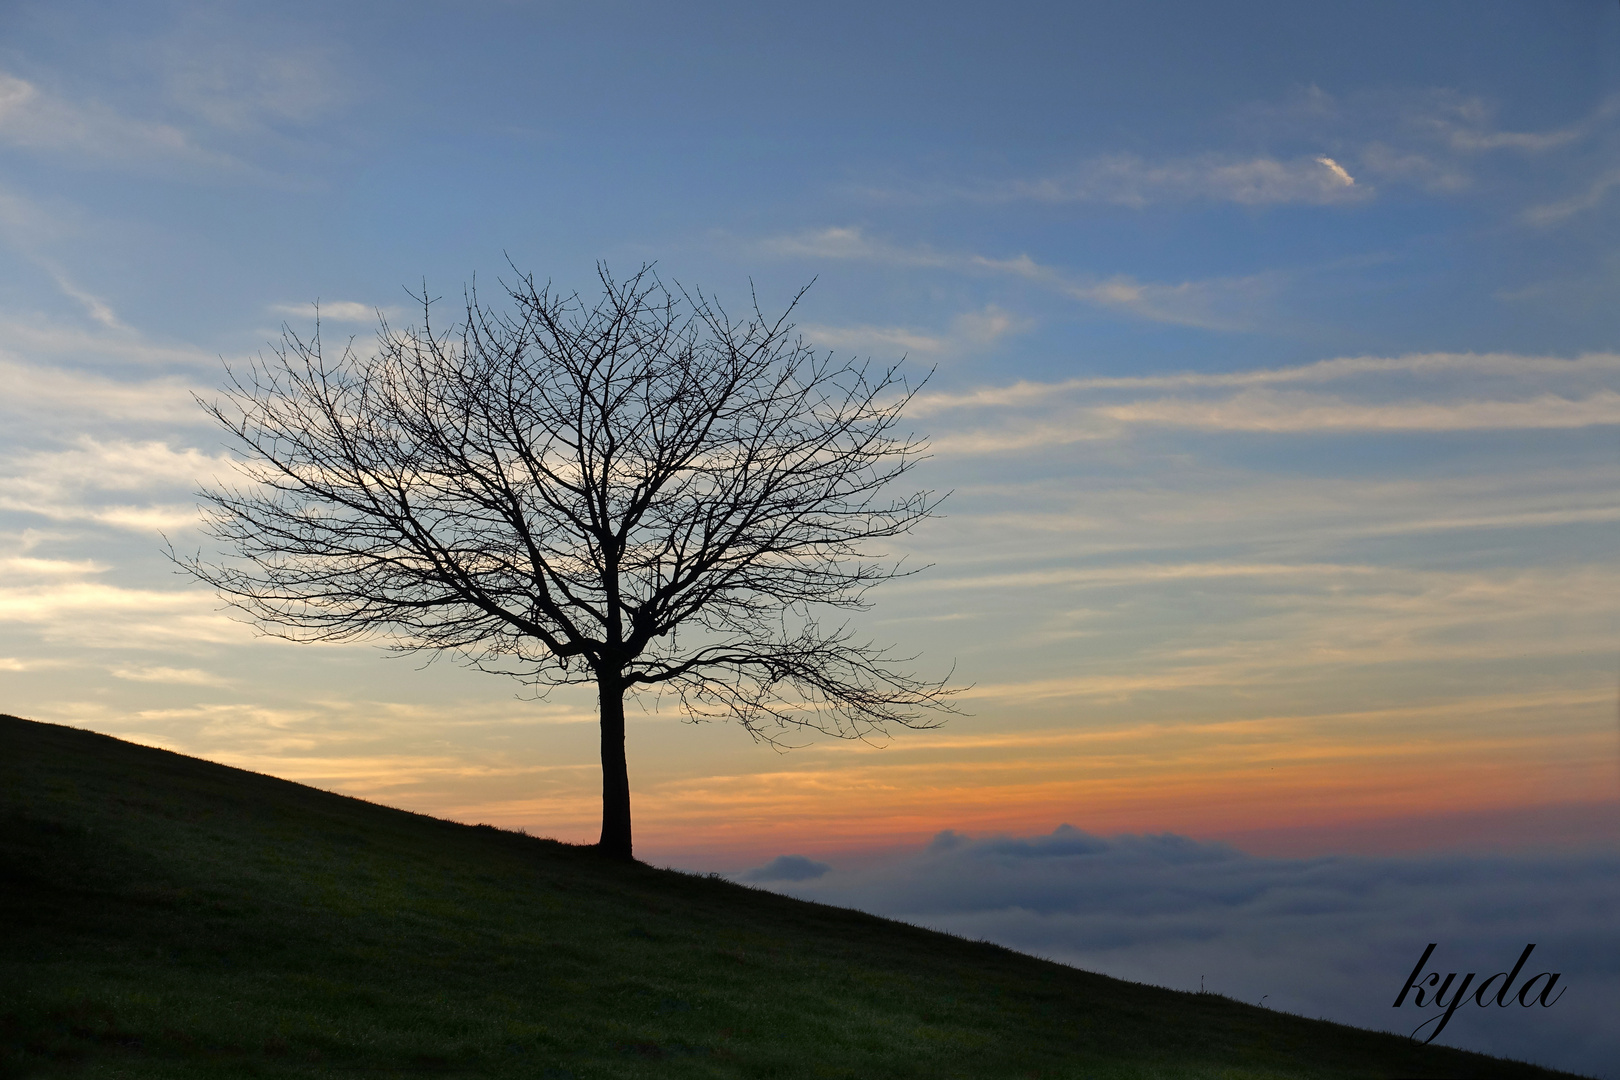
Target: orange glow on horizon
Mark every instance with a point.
(1282, 783)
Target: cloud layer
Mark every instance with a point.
(1428, 392)
(1328, 937)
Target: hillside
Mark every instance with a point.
(170, 917)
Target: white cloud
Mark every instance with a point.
(97, 308)
(1443, 137)
(1128, 180)
(14, 567)
(35, 391)
(1337, 562)
(1183, 575)
(1280, 411)
(148, 519)
(1212, 304)
(1512, 365)
(989, 325)
(98, 615)
(846, 242)
(1339, 172)
(1467, 124)
(1414, 167)
(1215, 303)
(343, 311)
(205, 76)
(1143, 573)
(1554, 212)
(158, 674)
(70, 485)
(34, 339)
(18, 664)
(1435, 139)
(1077, 427)
(32, 119)
(64, 600)
(1280, 622)
(968, 331)
(117, 465)
(1417, 392)
(866, 338)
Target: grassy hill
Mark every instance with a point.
(162, 916)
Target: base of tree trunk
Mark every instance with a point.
(616, 852)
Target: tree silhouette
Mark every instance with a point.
(638, 492)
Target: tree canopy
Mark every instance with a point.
(638, 492)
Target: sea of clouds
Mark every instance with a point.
(1333, 937)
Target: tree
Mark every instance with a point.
(640, 493)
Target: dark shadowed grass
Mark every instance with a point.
(162, 916)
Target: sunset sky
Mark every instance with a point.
(1276, 383)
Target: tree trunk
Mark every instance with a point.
(615, 841)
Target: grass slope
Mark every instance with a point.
(162, 916)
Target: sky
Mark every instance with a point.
(1275, 386)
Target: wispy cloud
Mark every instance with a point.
(1513, 365)
(1435, 173)
(1279, 411)
(1297, 516)
(1442, 141)
(34, 391)
(118, 465)
(1378, 396)
(33, 119)
(65, 601)
(19, 664)
(343, 311)
(968, 331)
(1275, 412)
(1215, 303)
(1283, 622)
(160, 674)
(99, 615)
(864, 338)
(1129, 180)
(97, 308)
(1554, 212)
(36, 338)
(73, 484)
(208, 82)
(1436, 140)
(1467, 124)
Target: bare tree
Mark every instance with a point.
(639, 492)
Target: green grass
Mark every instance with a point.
(162, 916)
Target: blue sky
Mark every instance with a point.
(352, 149)
(1275, 381)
